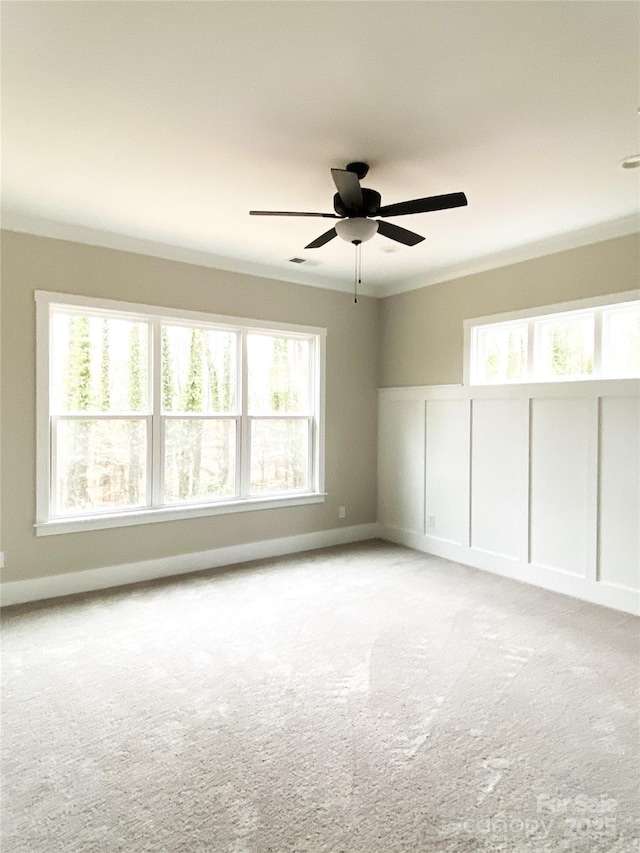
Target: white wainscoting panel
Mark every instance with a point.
(619, 533)
(497, 477)
(559, 483)
(401, 464)
(447, 470)
(540, 482)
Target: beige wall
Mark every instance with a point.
(35, 263)
(422, 330)
(415, 338)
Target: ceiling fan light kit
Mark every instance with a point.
(355, 206)
(357, 229)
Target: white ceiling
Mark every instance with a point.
(157, 126)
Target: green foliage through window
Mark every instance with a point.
(103, 409)
(563, 346)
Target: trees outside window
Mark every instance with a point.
(149, 412)
(100, 390)
(585, 343)
(279, 406)
(502, 353)
(565, 347)
(199, 379)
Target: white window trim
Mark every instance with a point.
(46, 525)
(533, 314)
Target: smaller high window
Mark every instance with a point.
(563, 346)
(621, 334)
(600, 342)
(502, 352)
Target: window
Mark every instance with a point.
(502, 352)
(598, 342)
(621, 335)
(146, 414)
(564, 346)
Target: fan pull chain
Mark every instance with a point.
(358, 270)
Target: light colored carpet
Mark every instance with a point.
(364, 699)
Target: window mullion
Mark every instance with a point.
(284, 416)
(245, 426)
(473, 355)
(157, 426)
(53, 476)
(311, 454)
(318, 407)
(44, 422)
(597, 343)
(531, 351)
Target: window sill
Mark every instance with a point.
(549, 380)
(77, 524)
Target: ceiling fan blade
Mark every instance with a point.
(322, 239)
(400, 235)
(290, 213)
(424, 205)
(348, 187)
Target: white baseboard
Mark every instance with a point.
(54, 586)
(71, 583)
(607, 595)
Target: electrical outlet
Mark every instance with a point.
(342, 512)
(431, 522)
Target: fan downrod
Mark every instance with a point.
(360, 169)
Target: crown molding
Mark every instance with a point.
(23, 223)
(528, 251)
(15, 221)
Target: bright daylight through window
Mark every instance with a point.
(585, 343)
(152, 414)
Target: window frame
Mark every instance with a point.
(594, 305)
(47, 523)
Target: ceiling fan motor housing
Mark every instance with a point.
(360, 169)
(370, 204)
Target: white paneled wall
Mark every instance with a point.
(401, 431)
(619, 518)
(561, 469)
(498, 439)
(447, 470)
(536, 482)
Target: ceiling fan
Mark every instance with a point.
(355, 206)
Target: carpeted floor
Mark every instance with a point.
(362, 699)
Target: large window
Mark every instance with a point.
(147, 414)
(598, 342)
